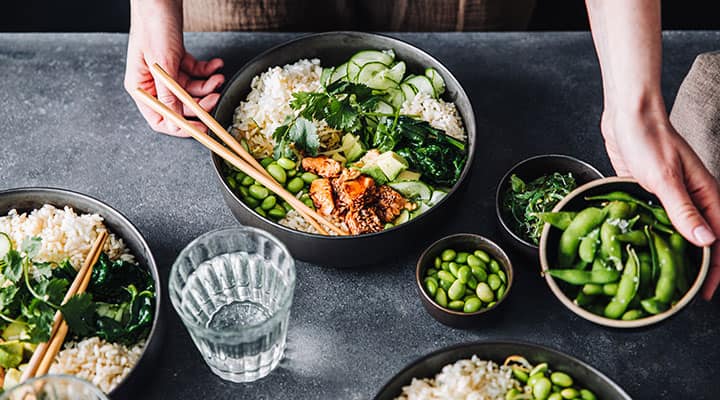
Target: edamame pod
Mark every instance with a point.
(578, 277)
(665, 287)
(627, 288)
(657, 212)
(678, 246)
(585, 221)
(635, 238)
(588, 246)
(610, 247)
(560, 220)
(631, 315)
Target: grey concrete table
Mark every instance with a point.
(65, 121)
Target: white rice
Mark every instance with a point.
(472, 379)
(438, 113)
(102, 363)
(64, 234)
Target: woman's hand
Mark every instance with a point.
(156, 37)
(643, 144)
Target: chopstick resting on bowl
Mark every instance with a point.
(45, 352)
(251, 168)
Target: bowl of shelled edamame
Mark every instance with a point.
(612, 256)
(533, 187)
(462, 278)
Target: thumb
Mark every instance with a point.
(165, 96)
(683, 213)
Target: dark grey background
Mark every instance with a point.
(114, 16)
(67, 122)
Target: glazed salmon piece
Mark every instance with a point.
(323, 166)
(363, 220)
(321, 193)
(389, 203)
(355, 193)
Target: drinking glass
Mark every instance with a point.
(54, 387)
(233, 289)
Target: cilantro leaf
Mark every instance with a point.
(7, 296)
(42, 270)
(54, 290)
(79, 313)
(13, 269)
(304, 134)
(31, 246)
(39, 317)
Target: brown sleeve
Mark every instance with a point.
(696, 112)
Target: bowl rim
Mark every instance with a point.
(512, 342)
(600, 320)
(509, 271)
(444, 72)
(506, 177)
(152, 264)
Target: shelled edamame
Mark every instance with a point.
(465, 281)
(539, 382)
(622, 258)
(262, 200)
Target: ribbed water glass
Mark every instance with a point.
(233, 290)
(54, 387)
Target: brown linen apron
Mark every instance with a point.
(367, 15)
(696, 112)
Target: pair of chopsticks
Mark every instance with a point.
(235, 154)
(45, 353)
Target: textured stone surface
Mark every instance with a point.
(67, 122)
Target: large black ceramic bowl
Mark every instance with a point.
(431, 364)
(333, 48)
(28, 199)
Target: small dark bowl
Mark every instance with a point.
(462, 242)
(333, 48)
(28, 199)
(431, 364)
(575, 201)
(532, 168)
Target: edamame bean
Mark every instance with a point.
(461, 257)
(286, 163)
(308, 202)
(479, 273)
(569, 393)
(520, 374)
(555, 396)
(291, 173)
(438, 262)
(295, 185)
(260, 211)
(494, 266)
(308, 177)
(474, 262)
(482, 255)
(502, 275)
(441, 297)
(258, 192)
(472, 305)
(539, 369)
(484, 292)
(266, 161)
(456, 305)
(431, 285)
(277, 172)
(239, 176)
(457, 290)
(251, 201)
(243, 191)
(454, 268)
(231, 182)
(268, 203)
(445, 266)
(494, 281)
(286, 206)
(534, 378)
(472, 282)
(464, 274)
(445, 275)
(513, 394)
(500, 292)
(491, 304)
(541, 389)
(247, 181)
(445, 284)
(277, 212)
(587, 395)
(561, 379)
(431, 272)
(448, 255)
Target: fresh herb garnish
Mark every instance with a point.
(524, 201)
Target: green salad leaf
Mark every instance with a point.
(79, 313)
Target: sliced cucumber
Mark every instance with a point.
(352, 71)
(421, 209)
(395, 97)
(384, 108)
(436, 197)
(437, 81)
(367, 56)
(339, 72)
(5, 244)
(402, 218)
(408, 90)
(413, 189)
(408, 175)
(422, 84)
(326, 76)
(397, 72)
(371, 72)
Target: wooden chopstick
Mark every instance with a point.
(309, 214)
(45, 352)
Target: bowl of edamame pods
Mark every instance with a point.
(612, 256)
(463, 277)
(533, 187)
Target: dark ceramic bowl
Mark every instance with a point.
(575, 201)
(28, 199)
(532, 168)
(333, 48)
(431, 364)
(462, 242)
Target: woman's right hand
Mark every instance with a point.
(156, 37)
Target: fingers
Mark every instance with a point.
(165, 96)
(200, 87)
(200, 69)
(207, 103)
(713, 279)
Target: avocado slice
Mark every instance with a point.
(391, 164)
(11, 354)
